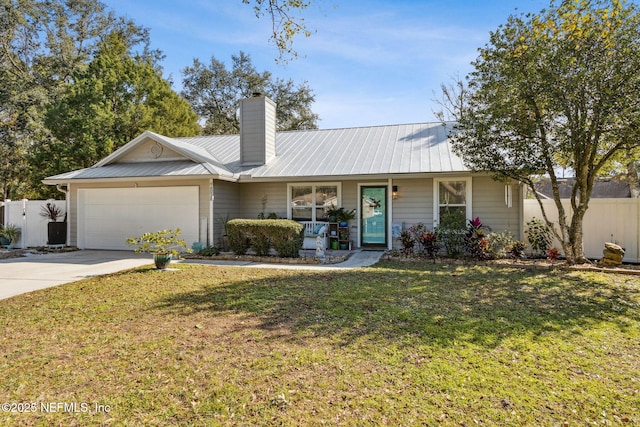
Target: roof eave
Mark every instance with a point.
(138, 179)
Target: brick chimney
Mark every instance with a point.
(257, 130)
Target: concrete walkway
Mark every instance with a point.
(39, 271)
(357, 259)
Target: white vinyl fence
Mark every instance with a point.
(606, 220)
(25, 214)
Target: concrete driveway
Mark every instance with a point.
(39, 271)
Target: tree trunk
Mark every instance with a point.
(576, 235)
(633, 179)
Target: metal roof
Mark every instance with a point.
(146, 169)
(397, 149)
(377, 150)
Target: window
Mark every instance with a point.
(452, 196)
(308, 201)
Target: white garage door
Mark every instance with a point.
(107, 216)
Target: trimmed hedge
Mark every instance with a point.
(285, 235)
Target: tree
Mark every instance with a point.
(550, 90)
(117, 97)
(214, 93)
(284, 24)
(43, 45)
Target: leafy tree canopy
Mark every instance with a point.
(551, 90)
(215, 91)
(117, 97)
(285, 25)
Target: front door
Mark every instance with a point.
(373, 216)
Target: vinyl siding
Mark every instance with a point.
(489, 205)
(414, 203)
(257, 130)
(145, 152)
(252, 195)
(226, 205)
(350, 197)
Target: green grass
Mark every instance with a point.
(399, 344)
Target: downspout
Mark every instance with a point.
(211, 219)
(390, 215)
(67, 208)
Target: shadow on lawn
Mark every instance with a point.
(422, 303)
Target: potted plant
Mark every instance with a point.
(56, 231)
(344, 216)
(3, 240)
(163, 244)
(332, 213)
(11, 233)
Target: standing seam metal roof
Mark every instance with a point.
(391, 149)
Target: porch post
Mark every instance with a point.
(211, 218)
(390, 214)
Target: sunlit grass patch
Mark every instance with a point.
(395, 344)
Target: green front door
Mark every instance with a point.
(373, 209)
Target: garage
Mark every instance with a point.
(108, 216)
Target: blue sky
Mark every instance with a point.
(369, 62)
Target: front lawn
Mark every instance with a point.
(398, 344)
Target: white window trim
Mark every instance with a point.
(436, 196)
(313, 191)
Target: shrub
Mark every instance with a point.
(209, 251)
(285, 235)
(163, 242)
(451, 232)
(408, 242)
(289, 247)
(429, 241)
(417, 239)
(260, 241)
(553, 254)
(476, 241)
(237, 236)
(500, 243)
(539, 236)
(516, 251)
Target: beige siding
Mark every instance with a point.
(350, 197)
(272, 194)
(149, 151)
(414, 203)
(257, 130)
(489, 205)
(73, 217)
(226, 205)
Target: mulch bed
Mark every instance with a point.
(529, 264)
(271, 259)
(17, 253)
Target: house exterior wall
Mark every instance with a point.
(204, 199)
(274, 194)
(245, 200)
(150, 151)
(414, 203)
(490, 206)
(226, 205)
